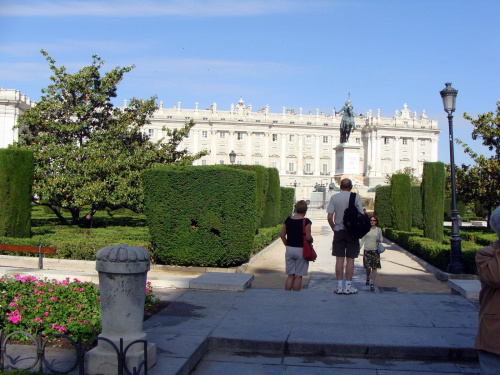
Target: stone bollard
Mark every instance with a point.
(122, 284)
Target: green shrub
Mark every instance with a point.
(16, 178)
(383, 206)
(272, 207)
(433, 186)
(287, 199)
(401, 202)
(416, 206)
(264, 237)
(200, 216)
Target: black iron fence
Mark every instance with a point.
(41, 356)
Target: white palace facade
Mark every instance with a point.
(304, 147)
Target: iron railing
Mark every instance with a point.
(41, 360)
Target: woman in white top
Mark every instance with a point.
(371, 257)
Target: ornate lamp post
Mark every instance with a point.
(449, 96)
(232, 157)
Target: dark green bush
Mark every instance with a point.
(16, 178)
(201, 216)
(264, 237)
(272, 207)
(383, 206)
(287, 198)
(401, 213)
(416, 206)
(433, 186)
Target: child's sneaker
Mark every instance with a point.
(350, 290)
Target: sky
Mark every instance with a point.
(283, 53)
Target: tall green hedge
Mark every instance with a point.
(200, 216)
(287, 199)
(16, 178)
(433, 186)
(382, 206)
(401, 202)
(416, 206)
(262, 176)
(272, 206)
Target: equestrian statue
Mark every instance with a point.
(347, 124)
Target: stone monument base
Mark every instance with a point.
(347, 159)
(105, 362)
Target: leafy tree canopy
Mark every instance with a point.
(412, 172)
(481, 181)
(89, 153)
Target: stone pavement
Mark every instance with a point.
(268, 330)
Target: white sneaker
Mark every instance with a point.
(350, 290)
(339, 290)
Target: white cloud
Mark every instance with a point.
(128, 8)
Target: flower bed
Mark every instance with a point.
(70, 307)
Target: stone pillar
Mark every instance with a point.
(122, 284)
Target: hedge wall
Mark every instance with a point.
(416, 206)
(272, 207)
(200, 216)
(262, 178)
(16, 178)
(433, 185)
(401, 213)
(382, 206)
(287, 199)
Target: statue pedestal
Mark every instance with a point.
(347, 159)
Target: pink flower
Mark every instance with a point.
(15, 318)
(12, 304)
(60, 329)
(82, 290)
(37, 319)
(39, 300)
(46, 314)
(53, 298)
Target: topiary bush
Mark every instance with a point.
(16, 178)
(200, 216)
(401, 216)
(287, 199)
(272, 206)
(433, 187)
(382, 206)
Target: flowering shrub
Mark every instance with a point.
(49, 307)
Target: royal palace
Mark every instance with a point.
(304, 147)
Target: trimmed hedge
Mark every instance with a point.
(401, 202)
(272, 206)
(416, 206)
(382, 206)
(16, 178)
(287, 199)
(201, 216)
(433, 186)
(262, 178)
(264, 237)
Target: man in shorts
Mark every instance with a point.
(344, 246)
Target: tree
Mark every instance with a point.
(88, 153)
(481, 181)
(412, 172)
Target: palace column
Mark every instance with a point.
(396, 153)
(316, 167)
(213, 147)
(300, 159)
(283, 154)
(378, 156)
(266, 150)
(414, 150)
(249, 148)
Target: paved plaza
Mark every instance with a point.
(397, 329)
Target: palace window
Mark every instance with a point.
(223, 134)
(325, 168)
(308, 139)
(307, 168)
(203, 162)
(257, 136)
(221, 161)
(291, 138)
(422, 142)
(291, 166)
(151, 132)
(240, 136)
(325, 139)
(358, 140)
(275, 137)
(274, 164)
(204, 134)
(405, 141)
(386, 140)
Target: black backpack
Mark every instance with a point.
(356, 223)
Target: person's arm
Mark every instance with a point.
(488, 266)
(283, 234)
(308, 233)
(329, 218)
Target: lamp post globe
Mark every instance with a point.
(232, 157)
(456, 266)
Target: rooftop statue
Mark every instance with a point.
(347, 124)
